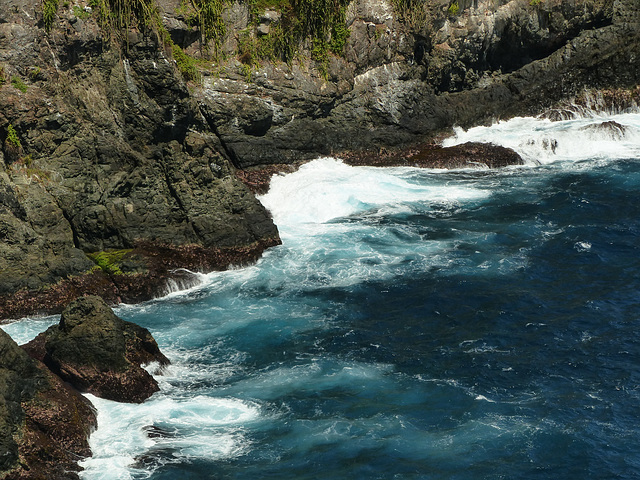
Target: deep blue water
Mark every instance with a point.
(416, 324)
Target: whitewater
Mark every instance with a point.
(415, 323)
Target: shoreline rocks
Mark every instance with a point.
(150, 269)
(45, 422)
(470, 154)
(99, 353)
(106, 149)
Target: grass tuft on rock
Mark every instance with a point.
(110, 260)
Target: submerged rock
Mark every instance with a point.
(99, 353)
(610, 129)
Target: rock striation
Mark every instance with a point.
(99, 353)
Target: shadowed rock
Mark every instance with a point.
(99, 353)
(44, 423)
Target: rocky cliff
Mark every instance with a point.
(116, 173)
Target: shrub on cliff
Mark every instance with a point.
(12, 144)
(119, 15)
(49, 9)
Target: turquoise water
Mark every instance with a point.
(418, 324)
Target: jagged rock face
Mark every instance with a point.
(44, 424)
(400, 84)
(113, 153)
(97, 352)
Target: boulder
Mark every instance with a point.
(44, 423)
(609, 130)
(470, 154)
(99, 353)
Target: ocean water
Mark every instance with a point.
(418, 324)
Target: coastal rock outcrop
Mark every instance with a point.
(116, 173)
(407, 77)
(466, 155)
(99, 353)
(105, 150)
(44, 423)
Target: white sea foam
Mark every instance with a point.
(333, 220)
(164, 430)
(543, 141)
(327, 189)
(25, 330)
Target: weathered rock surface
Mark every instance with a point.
(117, 153)
(400, 84)
(114, 154)
(44, 424)
(466, 155)
(99, 353)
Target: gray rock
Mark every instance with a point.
(97, 352)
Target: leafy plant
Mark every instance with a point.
(35, 73)
(49, 9)
(454, 8)
(12, 137)
(411, 12)
(118, 16)
(81, 12)
(246, 72)
(320, 22)
(320, 54)
(19, 84)
(207, 15)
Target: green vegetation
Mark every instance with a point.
(321, 22)
(535, 3)
(117, 16)
(49, 9)
(19, 84)
(209, 19)
(109, 260)
(81, 12)
(12, 137)
(246, 71)
(185, 63)
(411, 12)
(454, 8)
(35, 73)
